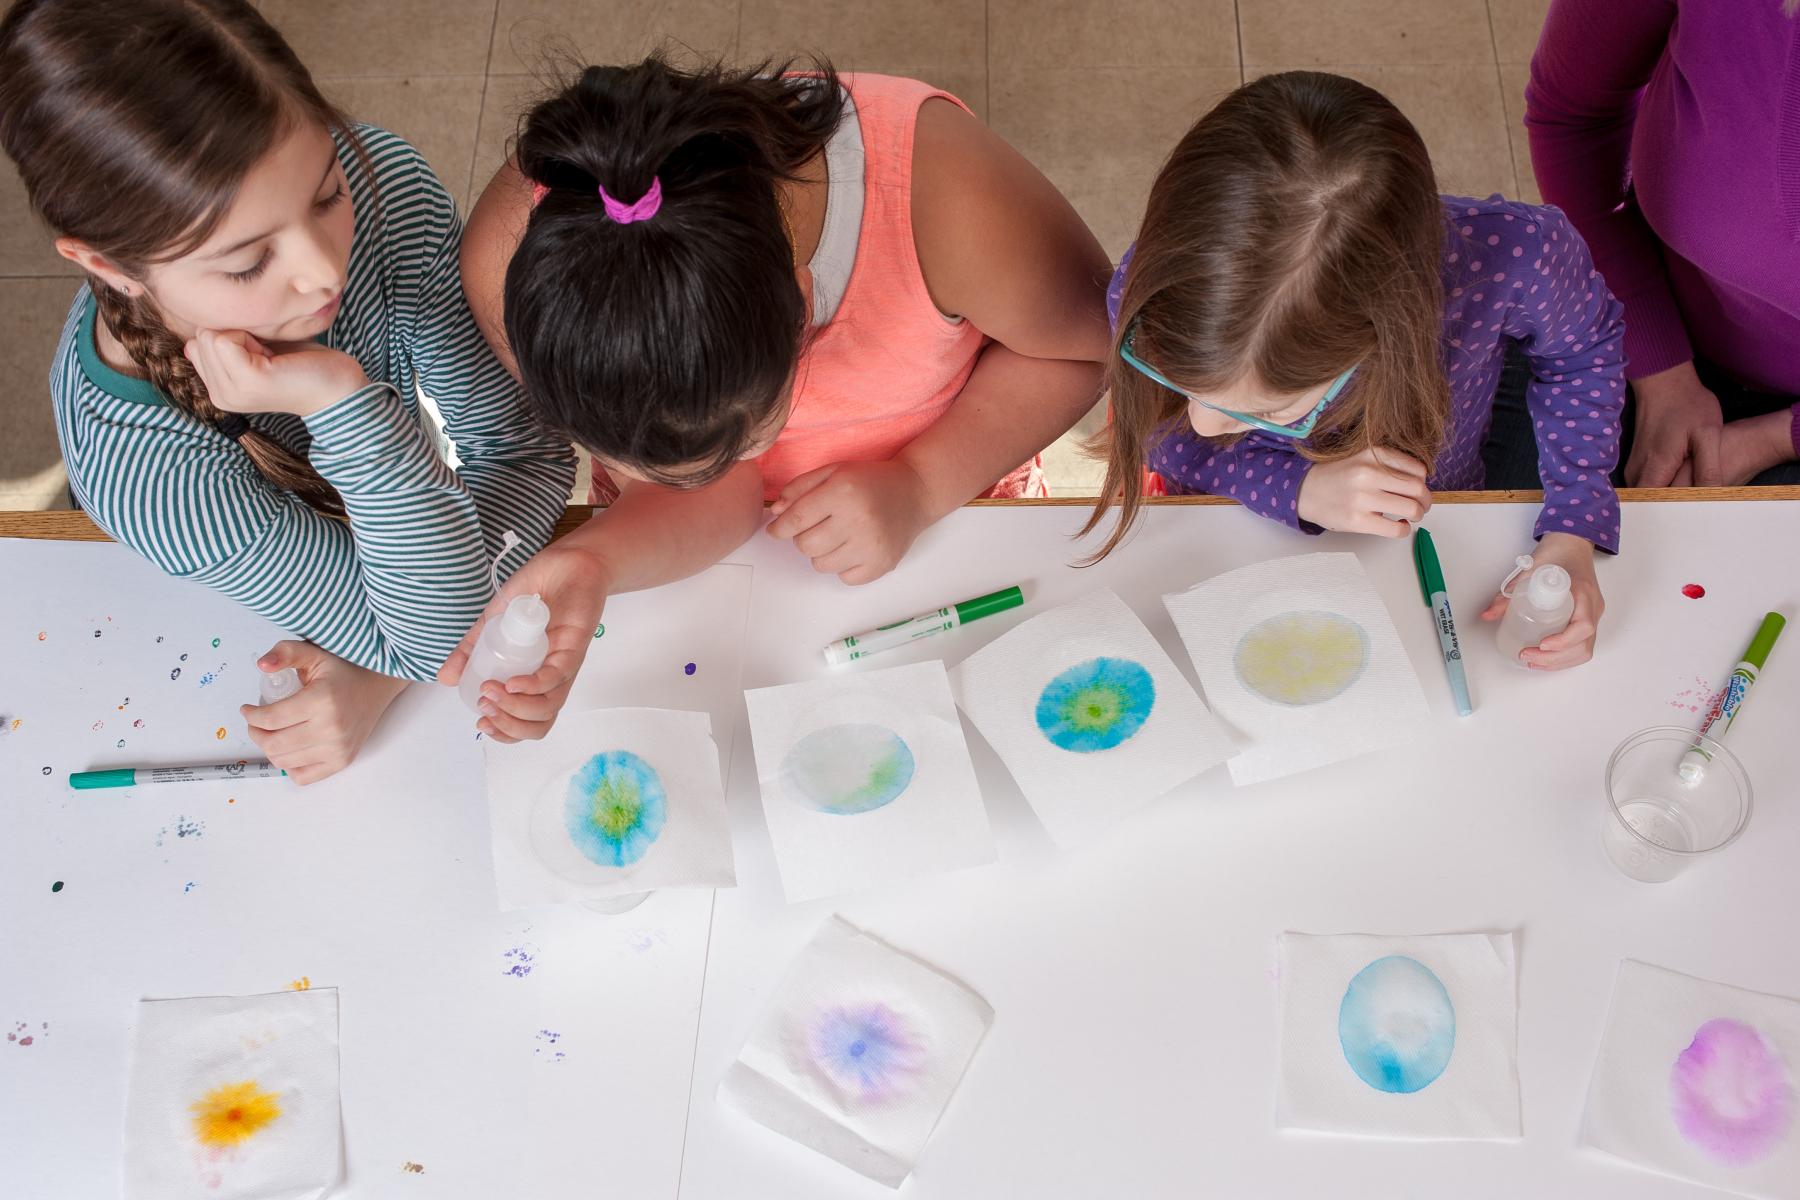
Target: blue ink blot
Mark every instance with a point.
(615, 808)
(847, 769)
(868, 1051)
(1396, 1025)
(1096, 705)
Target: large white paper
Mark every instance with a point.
(866, 780)
(613, 801)
(234, 1097)
(1401, 1037)
(1089, 714)
(860, 1051)
(1300, 656)
(1698, 1080)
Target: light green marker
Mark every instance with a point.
(861, 645)
(1737, 690)
(135, 776)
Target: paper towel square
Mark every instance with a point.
(1300, 656)
(866, 780)
(614, 801)
(1082, 776)
(234, 1097)
(1399, 1037)
(1699, 1080)
(858, 1056)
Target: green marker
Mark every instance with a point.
(1437, 598)
(134, 776)
(862, 645)
(1737, 690)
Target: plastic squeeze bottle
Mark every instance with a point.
(1537, 608)
(513, 645)
(278, 685)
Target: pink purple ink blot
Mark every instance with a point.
(519, 961)
(1730, 1094)
(868, 1051)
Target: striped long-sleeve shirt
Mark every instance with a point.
(396, 587)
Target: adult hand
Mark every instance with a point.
(1351, 494)
(1751, 446)
(1676, 442)
(854, 520)
(244, 375)
(573, 583)
(316, 732)
(1575, 644)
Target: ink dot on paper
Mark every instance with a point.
(615, 808)
(1096, 705)
(57, 886)
(690, 669)
(1693, 591)
(119, 745)
(600, 631)
(848, 769)
(40, 635)
(215, 643)
(869, 1052)
(1730, 1094)
(96, 633)
(46, 770)
(1301, 658)
(1396, 1025)
(219, 733)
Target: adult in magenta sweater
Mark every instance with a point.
(1669, 132)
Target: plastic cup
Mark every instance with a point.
(1657, 823)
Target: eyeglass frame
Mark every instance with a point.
(1293, 429)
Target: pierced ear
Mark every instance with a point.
(98, 265)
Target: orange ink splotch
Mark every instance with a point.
(219, 733)
(304, 983)
(18, 721)
(233, 1113)
(231, 799)
(40, 635)
(413, 1168)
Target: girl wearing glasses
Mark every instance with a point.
(1306, 325)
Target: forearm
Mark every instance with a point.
(655, 535)
(1011, 408)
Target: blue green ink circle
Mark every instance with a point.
(1396, 1025)
(1096, 705)
(848, 769)
(615, 808)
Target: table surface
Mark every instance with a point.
(1134, 1046)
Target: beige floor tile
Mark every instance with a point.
(438, 114)
(1516, 27)
(1124, 33)
(24, 241)
(338, 38)
(1307, 33)
(530, 32)
(1100, 133)
(948, 33)
(1513, 77)
(1459, 113)
(49, 488)
(1069, 468)
(32, 312)
(508, 97)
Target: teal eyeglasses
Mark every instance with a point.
(1297, 429)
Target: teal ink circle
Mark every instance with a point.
(1096, 705)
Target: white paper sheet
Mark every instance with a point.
(859, 1053)
(866, 780)
(1300, 656)
(1400, 1037)
(1089, 714)
(612, 802)
(234, 1097)
(1699, 1080)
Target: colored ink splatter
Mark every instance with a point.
(97, 726)
(645, 940)
(175, 674)
(599, 631)
(1693, 591)
(188, 888)
(46, 771)
(1396, 1025)
(546, 1049)
(615, 808)
(1698, 697)
(119, 745)
(185, 827)
(1300, 658)
(57, 886)
(215, 643)
(219, 733)
(20, 1034)
(96, 633)
(212, 675)
(520, 960)
(233, 1113)
(184, 658)
(690, 668)
(16, 722)
(40, 635)
(412, 1168)
(137, 724)
(123, 703)
(847, 769)
(302, 984)
(159, 639)
(1096, 705)
(867, 1051)
(1730, 1094)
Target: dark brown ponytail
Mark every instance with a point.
(168, 103)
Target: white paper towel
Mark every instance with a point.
(1300, 656)
(1083, 778)
(1399, 1037)
(859, 1053)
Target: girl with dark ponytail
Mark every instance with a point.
(268, 289)
(842, 295)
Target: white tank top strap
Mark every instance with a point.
(835, 256)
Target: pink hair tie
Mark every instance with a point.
(642, 209)
(538, 192)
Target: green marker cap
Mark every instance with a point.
(988, 605)
(1425, 561)
(1764, 641)
(120, 777)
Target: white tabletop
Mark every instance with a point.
(1133, 1050)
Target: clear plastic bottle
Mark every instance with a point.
(278, 685)
(513, 645)
(1540, 606)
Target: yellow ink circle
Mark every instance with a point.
(1300, 658)
(233, 1113)
(219, 733)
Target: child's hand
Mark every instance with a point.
(573, 583)
(854, 520)
(316, 732)
(1575, 644)
(244, 375)
(1351, 494)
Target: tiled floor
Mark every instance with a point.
(1093, 92)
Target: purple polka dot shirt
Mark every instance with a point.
(1512, 272)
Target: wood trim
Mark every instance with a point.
(68, 526)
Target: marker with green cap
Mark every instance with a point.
(136, 776)
(1437, 597)
(1737, 689)
(862, 645)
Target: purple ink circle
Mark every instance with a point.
(1730, 1094)
(690, 668)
